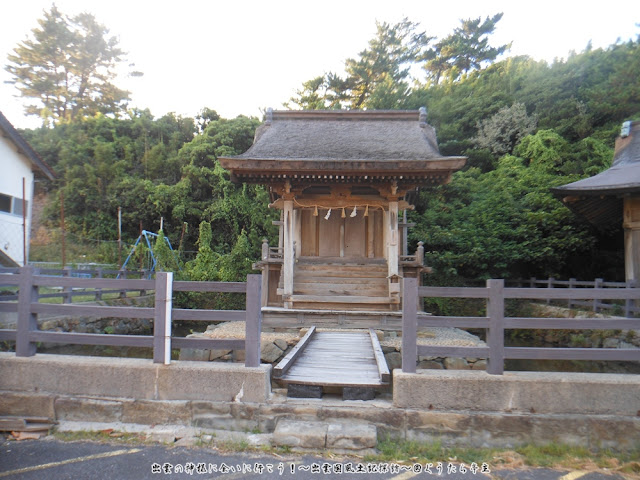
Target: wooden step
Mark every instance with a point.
(341, 299)
(341, 289)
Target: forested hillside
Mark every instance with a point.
(525, 125)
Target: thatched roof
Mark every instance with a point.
(599, 198)
(24, 148)
(338, 141)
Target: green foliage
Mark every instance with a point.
(505, 223)
(504, 130)
(166, 260)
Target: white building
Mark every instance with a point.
(19, 166)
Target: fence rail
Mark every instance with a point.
(496, 323)
(80, 288)
(162, 313)
(595, 302)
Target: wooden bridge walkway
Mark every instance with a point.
(344, 359)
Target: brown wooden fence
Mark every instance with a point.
(496, 323)
(27, 334)
(67, 293)
(596, 304)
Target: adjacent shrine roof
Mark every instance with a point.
(598, 198)
(315, 143)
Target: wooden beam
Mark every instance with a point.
(383, 368)
(284, 364)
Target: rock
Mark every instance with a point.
(216, 354)
(394, 360)
(194, 354)
(430, 364)
(281, 344)
(270, 352)
(455, 364)
(610, 343)
(479, 365)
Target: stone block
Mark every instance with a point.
(351, 436)
(148, 412)
(85, 376)
(80, 409)
(358, 393)
(213, 381)
(194, 354)
(295, 390)
(300, 434)
(513, 392)
(28, 405)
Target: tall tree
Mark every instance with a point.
(377, 78)
(68, 67)
(466, 49)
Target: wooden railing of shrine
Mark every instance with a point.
(496, 323)
(27, 335)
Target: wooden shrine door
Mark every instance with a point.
(349, 237)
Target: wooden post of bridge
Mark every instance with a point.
(495, 338)
(253, 322)
(27, 321)
(409, 324)
(162, 318)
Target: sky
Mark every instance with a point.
(239, 57)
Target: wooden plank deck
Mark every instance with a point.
(339, 359)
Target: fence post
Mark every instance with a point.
(495, 339)
(253, 322)
(409, 324)
(162, 318)
(628, 302)
(27, 321)
(99, 290)
(123, 293)
(550, 285)
(67, 297)
(572, 282)
(143, 274)
(597, 284)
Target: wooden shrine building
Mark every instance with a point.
(341, 180)
(612, 197)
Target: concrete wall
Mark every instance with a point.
(464, 408)
(133, 378)
(519, 392)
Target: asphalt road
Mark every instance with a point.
(52, 459)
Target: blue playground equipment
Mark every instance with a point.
(150, 239)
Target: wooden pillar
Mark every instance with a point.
(631, 223)
(253, 323)
(288, 254)
(392, 238)
(495, 338)
(162, 318)
(27, 321)
(409, 325)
